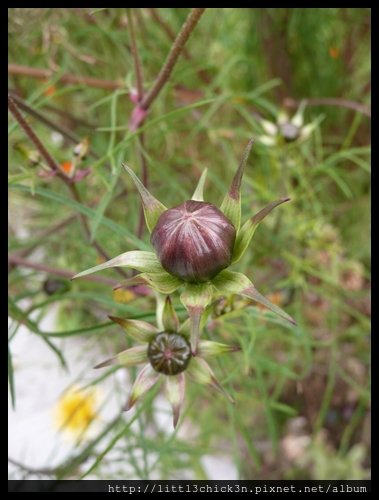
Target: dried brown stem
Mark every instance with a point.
(16, 260)
(135, 54)
(45, 74)
(50, 123)
(32, 136)
(145, 180)
(31, 470)
(140, 91)
(167, 29)
(43, 235)
(202, 74)
(163, 76)
(176, 49)
(43, 119)
(70, 117)
(330, 101)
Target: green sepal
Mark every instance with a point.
(136, 259)
(139, 330)
(161, 282)
(209, 348)
(152, 207)
(198, 194)
(247, 231)
(131, 357)
(201, 372)
(169, 318)
(231, 205)
(145, 380)
(175, 390)
(298, 119)
(185, 329)
(228, 282)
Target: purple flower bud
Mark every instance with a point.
(194, 241)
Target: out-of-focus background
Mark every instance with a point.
(298, 81)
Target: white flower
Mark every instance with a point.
(287, 129)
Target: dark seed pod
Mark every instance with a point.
(194, 241)
(169, 353)
(53, 285)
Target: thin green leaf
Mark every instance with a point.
(96, 221)
(69, 467)
(88, 212)
(11, 379)
(125, 430)
(151, 123)
(283, 408)
(55, 349)
(247, 231)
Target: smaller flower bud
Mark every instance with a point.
(194, 241)
(169, 353)
(52, 286)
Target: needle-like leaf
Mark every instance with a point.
(247, 231)
(231, 205)
(228, 282)
(152, 207)
(140, 260)
(198, 194)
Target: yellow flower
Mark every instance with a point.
(76, 410)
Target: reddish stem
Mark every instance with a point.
(176, 49)
(45, 74)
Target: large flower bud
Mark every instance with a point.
(194, 241)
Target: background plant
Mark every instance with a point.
(73, 72)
